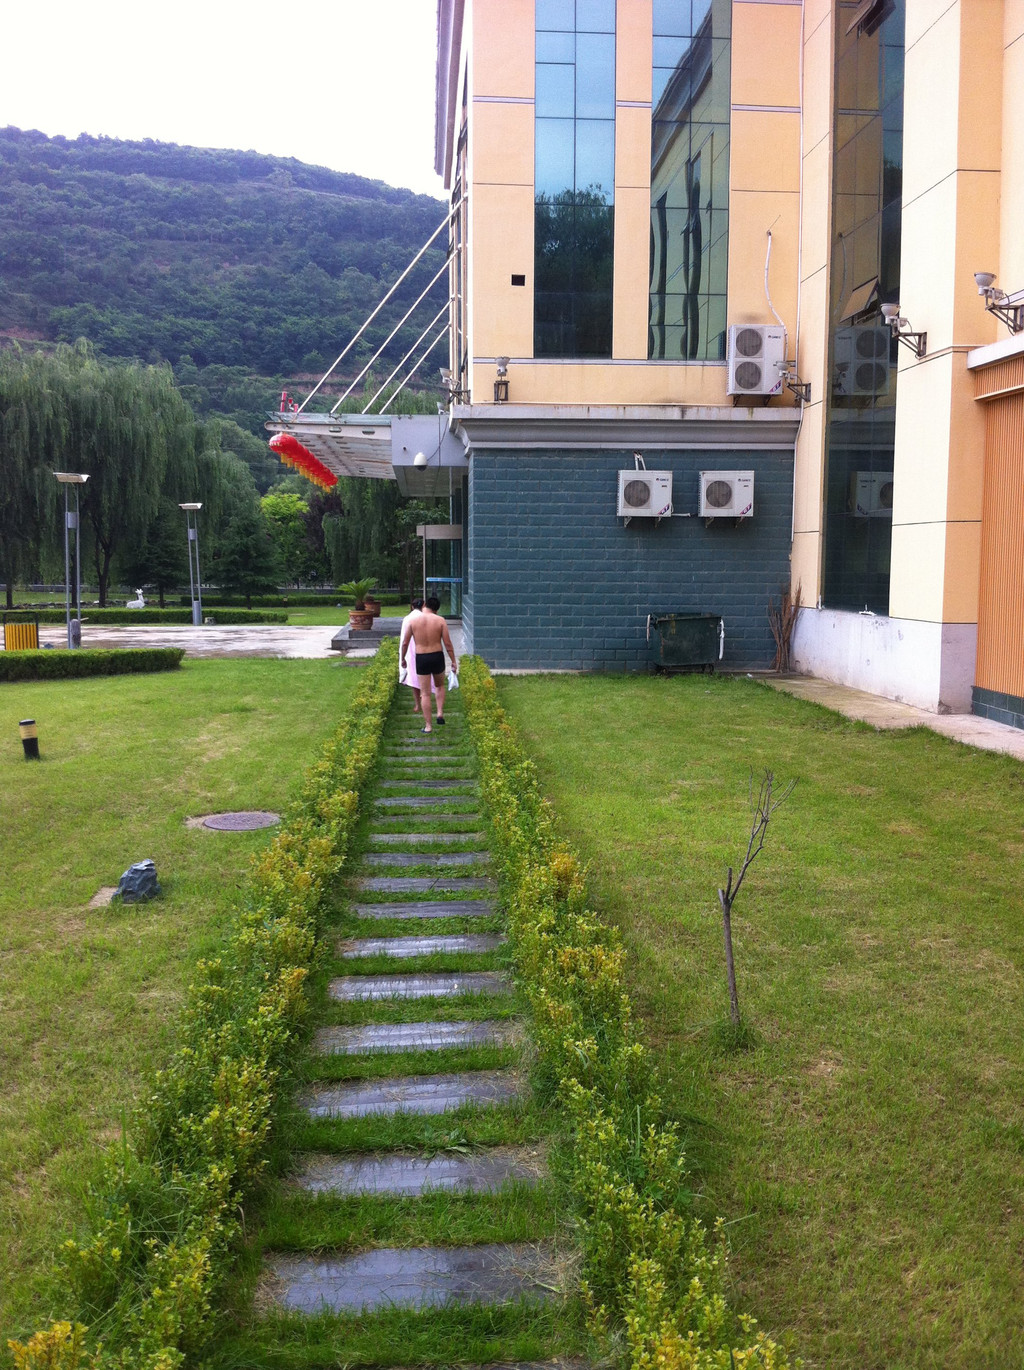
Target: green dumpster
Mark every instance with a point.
(685, 642)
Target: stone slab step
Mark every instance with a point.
(469, 785)
(416, 1277)
(428, 801)
(428, 985)
(420, 1094)
(397, 839)
(418, 946)
(422, 884)
(434, 1036)
(453, 858)
(481, 1173)
(428, 908)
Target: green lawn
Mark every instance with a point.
(88, 997)
(868, 1153)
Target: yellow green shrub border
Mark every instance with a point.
(652, 1275)
(159, 1228)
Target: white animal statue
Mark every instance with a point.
(137, 603)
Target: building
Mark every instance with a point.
(675, 225)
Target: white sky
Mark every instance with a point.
(348, 85)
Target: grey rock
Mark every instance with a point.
(429, 985)
(480, 1173)
(433, 1036)
(428, 908)
(418, 946)
(138, 883)
(420, 1094)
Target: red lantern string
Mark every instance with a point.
(292, 453)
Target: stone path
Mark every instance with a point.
(426, 829)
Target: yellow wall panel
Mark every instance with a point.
(918, 566)
(633, 148)
(811, 352)
(931, 106)
(501, 144)
(981, 61)
(594, 383)
(809, 472)
(963, 563)
(1010, 266)
(818, 63)
(752, 214)
(631, 273)
(502, 243)
(805, 567)
(927, 264)
(633, 51)
(966, 456)
(765, 54)
(503, 48)
(922, 443)
(764, 150)
(1013, 21)
(816, 190)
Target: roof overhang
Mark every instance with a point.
(449, 44)
(382, 447)
(605, 427)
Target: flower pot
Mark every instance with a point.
(372, 606)
(360, 620)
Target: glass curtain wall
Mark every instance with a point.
(690, 179)
(866, 212)
(574, 178)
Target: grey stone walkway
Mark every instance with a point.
(450, 823)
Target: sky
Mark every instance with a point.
(347, 85)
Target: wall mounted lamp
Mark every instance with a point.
(454, 391)
(1008, 308)
(903, 332)
(72, 533)
(501, 384)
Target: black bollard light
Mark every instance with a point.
(29, 738)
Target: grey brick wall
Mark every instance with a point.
(555, 580)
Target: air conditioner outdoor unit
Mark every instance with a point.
(726, 494)
(756, 357)
(861, 360)
(645, 494)
(871, 494)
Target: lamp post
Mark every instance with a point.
(194, 583)
(71, 520)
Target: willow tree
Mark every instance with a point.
(122, 426)
(29, 425)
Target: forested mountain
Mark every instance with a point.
(241, 270)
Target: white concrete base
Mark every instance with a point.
(929, 665)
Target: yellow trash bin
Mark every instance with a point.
(21, 637)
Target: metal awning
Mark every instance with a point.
(382, 447)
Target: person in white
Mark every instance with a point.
(407, 674)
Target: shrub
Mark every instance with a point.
(121, 617)
(652, 1274)
(89, 661)
(161, 1222)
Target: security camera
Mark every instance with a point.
(984, 280)
(890, 312)
(420, 459)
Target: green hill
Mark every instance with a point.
(243, 271)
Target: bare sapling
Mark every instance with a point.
(762, 807)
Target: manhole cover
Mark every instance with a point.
(241, 822)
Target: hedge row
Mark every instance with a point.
(163, 1221)
(652, 1275)
(89, 661)
(98, 617)
(299, 600)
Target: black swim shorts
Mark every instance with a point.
(430, 663)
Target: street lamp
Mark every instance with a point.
(67, 478)
(194, 583)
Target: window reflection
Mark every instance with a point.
(866, 226)
(574, 177)
(689, 179)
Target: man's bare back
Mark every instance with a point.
(427, 634)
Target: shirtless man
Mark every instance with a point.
(429, 633)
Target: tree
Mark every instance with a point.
(161, 559)
(29, 429)
(761, 808)
(285, 514)
(248, 562)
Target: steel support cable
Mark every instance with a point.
(397, 329)
(439, 338)
(430, 325)
(445, 223)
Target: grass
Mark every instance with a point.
(88, 996)
(865, 1138)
